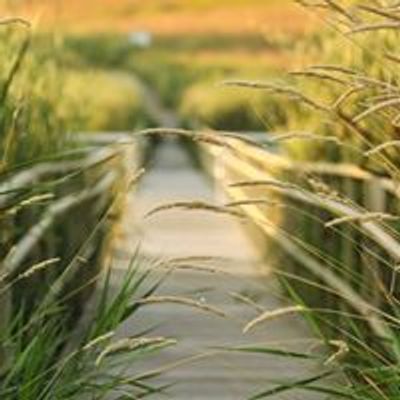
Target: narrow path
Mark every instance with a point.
(176, 233)
(154, 107)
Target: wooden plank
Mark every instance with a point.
(237, 268)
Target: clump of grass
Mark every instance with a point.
(40, 297)
(218, 108)
(116, 106)
(46, 96)
(45, 361)
(328, 253)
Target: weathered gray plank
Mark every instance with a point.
(179, 234)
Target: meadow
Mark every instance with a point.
(312, 94)
(49, 176)
(335, 199)
(189, 46)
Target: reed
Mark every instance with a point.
(60, 201)
(342, 277)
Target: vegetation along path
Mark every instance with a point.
(179, 234)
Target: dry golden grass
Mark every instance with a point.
(241, 58)
(166, 17)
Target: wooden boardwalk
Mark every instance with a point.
(177, 233)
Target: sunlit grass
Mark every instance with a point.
(327, 236)
(167, 17)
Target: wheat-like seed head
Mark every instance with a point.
(270, 315)
(183, 301)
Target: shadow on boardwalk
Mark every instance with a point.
(196, 233)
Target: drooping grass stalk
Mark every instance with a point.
(364, 115)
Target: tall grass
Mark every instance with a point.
(52, 252)
(42, 360)
(208, 104)
(47, 96)
(328, 237)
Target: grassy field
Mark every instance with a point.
(340, 113)
(190, 45)
(76, 69)
(166, 16)
(45, 175)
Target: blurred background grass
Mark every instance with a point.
(163, 16)
(190, 51)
